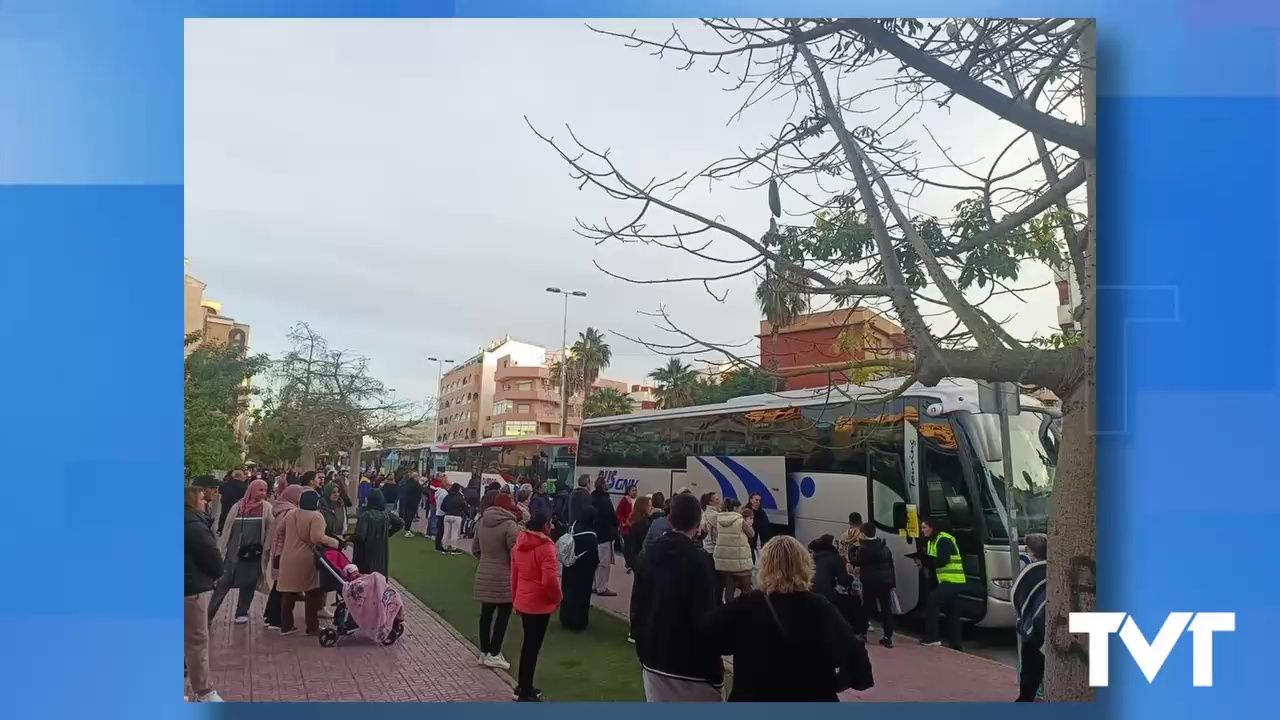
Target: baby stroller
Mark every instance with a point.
(332, 564)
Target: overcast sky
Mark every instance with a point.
(376, 179)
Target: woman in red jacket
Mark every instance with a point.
(535, 590)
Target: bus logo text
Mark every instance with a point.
(615, 483)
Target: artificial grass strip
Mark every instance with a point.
(594, 665)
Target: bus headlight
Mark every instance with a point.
(1002, 583)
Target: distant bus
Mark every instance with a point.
(512, 459)
(426, 458)
(814, 456)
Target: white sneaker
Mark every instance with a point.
(408, 533)
(497, 661)
(211, 696)
(325, 614)
(483, 659)
(242, 620)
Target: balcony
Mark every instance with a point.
(513, 416)
(520, 372)
(535, 395)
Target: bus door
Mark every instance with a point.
(949, 497)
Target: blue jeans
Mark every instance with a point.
(432, 521)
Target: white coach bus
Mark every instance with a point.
(815, 456)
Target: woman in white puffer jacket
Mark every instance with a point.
(732, 551)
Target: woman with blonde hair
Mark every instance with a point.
(789, 644)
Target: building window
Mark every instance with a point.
(502, 407)
(523, 409)
(524, 386)
(514, 429)
(1064, 292)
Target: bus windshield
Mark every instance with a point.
(1034, 440)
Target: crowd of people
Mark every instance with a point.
(261, 538)
(711, 577)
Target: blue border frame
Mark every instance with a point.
(91, 212)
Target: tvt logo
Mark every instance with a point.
(1151, 656)
(615, 483)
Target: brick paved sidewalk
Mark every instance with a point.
(428, 664)
(907, 672)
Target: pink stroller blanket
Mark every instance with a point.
(373, 604)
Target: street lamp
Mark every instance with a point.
(435, 419)
(564, 358)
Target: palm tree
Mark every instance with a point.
(606, 402)
(781, 302)
(593, 355)
(677, 384)
(574, 373)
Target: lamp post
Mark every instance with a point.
(564, 358)
(435, 419)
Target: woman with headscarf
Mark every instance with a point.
(303, 529)
(286, 502)
(332, 508)
(334, 511)
(374, 527)
(245, 566)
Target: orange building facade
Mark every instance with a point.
(814, 341)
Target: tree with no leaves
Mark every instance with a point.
(332, 401)
(847, 178)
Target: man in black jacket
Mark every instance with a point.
(580, 498)
(202, 566)
(874, 561)
(675, 590)
(230, 492)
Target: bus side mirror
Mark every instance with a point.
(899, 516)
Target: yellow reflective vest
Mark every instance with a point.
(953, 571)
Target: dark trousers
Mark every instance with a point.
(734, 581)
(440, 533)
(493, 626)
(312, 601)
(272, 614)
(1032, 672)
(875, 602)
(535, 630)
(943, 600)
(850, 607)
(243, 600)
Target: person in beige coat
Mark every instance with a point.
(496, 532)
(732, 552)
(299, 579)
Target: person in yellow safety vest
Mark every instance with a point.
(944, 580)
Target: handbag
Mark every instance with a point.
(854, 671)
(250, 553)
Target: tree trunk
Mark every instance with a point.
(1072, 548)
(1073, 538)
(308, 461)
(353, 472)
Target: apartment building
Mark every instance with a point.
(507, 390)
(812, 340)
